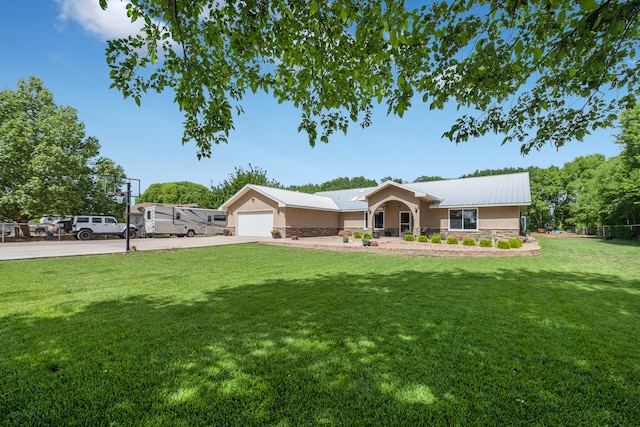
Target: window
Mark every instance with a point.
(463, 219)
(220, 217)
(82, 219)
(378, 220)
(177, 215)
(366, 220)
(148, 214)
(110, 221)
(95, 220)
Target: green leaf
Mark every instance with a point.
(519, 47)
(588, 5)
(537, 53)
(313, 7)
(344, 14)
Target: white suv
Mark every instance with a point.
(86, 226)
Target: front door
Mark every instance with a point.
(405, 222)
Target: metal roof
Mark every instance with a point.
(296, 199)
(348, 200)
(494, 190)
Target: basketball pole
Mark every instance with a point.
(128, 214)
(120, 197)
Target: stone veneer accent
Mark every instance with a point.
(308, 231)
(493, 234)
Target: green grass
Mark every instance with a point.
(267, 335)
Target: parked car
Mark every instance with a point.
(43, 224)
(86, 226)
(38, 228)
(60, 226)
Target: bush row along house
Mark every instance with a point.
(490, 205)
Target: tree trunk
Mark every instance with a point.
(24, 230)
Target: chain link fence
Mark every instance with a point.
(17, 231)
(11, 231)
(627, 232)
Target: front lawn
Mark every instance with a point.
(268, 335)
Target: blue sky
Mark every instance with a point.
(63, 43)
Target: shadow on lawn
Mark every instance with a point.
(341, 349)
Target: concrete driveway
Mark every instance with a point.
(51, 249)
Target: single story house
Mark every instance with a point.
(488, 205)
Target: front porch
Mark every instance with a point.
(393, 217)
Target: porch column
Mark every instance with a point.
(416, 220)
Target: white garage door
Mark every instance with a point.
(255, 224)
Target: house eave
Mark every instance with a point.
(312, 208)
(497, 205)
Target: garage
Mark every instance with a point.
(255, 224)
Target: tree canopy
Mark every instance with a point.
(48, 164)
(335, 184)
(236, 180)
(176, 193)
(537, 72)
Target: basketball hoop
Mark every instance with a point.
(119, 197)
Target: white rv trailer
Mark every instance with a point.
(183, 221)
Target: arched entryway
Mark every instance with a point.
(394, 217)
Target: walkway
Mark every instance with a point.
(55, 248)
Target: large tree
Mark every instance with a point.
(176, 193)
(612, 196)
(629, 137)
(538, 72)
(239, 178)
(48, 165)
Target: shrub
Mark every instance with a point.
(366, 236)
(452, 240)
(515, 243)
(423, 239)
(436, 238)
(409, 238)
(486, 243)
(357, 235)
(503, 244)
(469, 241)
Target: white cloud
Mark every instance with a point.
(106, 24)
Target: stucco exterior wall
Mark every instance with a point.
(434, 219)
(352, 221)
(499, 218)
(253, 202)
(297, 217)
(309, 222)
(501, 221)
(391, 194)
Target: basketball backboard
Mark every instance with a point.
(117, 186)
